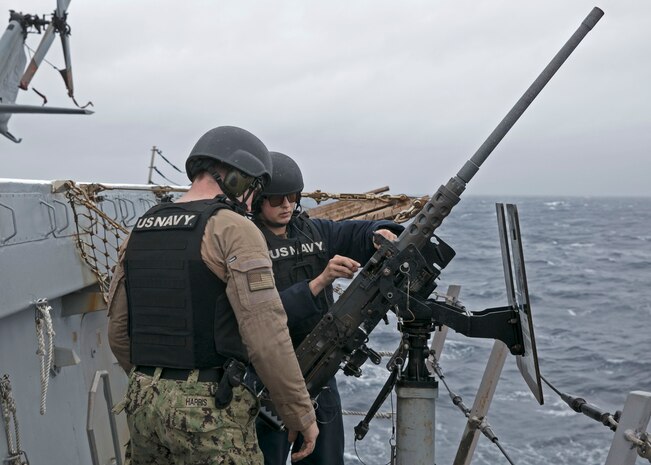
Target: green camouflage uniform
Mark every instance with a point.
(176, 422)
(167, 419)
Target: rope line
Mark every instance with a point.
(17, 456)
(8, 406)
(480, 424)
(580, 405)
(384, 415)
(163, 176)
(640, 440)
(159, 152)
(44, 329)
(44, 59)
(642, 443)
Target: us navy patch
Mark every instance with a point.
(167, 221)
(290, 251)
(259, 280)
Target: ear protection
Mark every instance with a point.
(236, 183)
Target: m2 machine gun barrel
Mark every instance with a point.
(440, 204)
(414, 261)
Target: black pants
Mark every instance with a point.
(329, 448)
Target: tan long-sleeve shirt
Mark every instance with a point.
(235, 250)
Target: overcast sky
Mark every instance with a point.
(361, 93)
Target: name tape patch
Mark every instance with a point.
(259, 280)
(198, 401)
(167, 221)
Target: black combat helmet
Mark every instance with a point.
(286, 176)
(234, 147)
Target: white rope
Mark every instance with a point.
(641, 441)
(8, 406)
(385, 415)
(44, 328)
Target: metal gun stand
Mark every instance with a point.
(416, 388)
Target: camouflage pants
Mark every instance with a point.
(176, 422)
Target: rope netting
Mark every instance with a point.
(98, 235)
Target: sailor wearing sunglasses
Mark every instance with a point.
(307, 256)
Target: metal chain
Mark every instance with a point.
(90, 189)
(44, 329)
(413, 210)
(320, 196)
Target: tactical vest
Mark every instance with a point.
(301, 256)
(179, 315)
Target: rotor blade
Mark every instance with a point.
(9, 136)
(13, 108)
(62, 7)
(66, 73)
(36, 60)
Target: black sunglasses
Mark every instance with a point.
(277, 200)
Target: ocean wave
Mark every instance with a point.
(556, 203)
(588, 273)
(581, 244)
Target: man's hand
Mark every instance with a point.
(386, 234)
(309, 441)
(338, 267)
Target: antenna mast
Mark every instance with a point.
(151, 163)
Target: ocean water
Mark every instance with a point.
(588, 264)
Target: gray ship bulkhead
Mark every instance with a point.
(40, 259)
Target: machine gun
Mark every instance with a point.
(400, 276)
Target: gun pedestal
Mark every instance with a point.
(416, 393)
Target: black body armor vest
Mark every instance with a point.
(179, 315)
(301, 256)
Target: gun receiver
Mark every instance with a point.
(411, 265)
